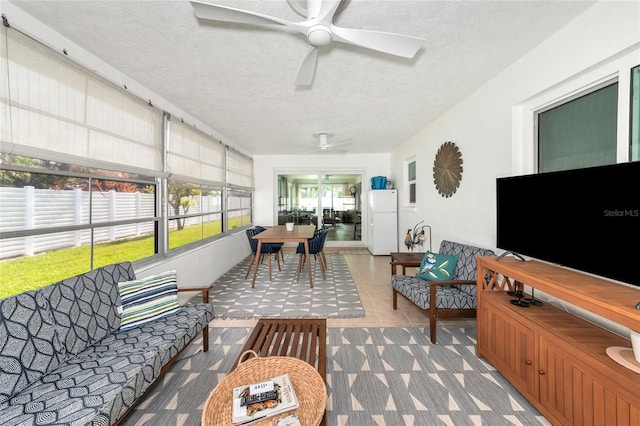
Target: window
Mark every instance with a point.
(581, 132)
(195, 213)
(239, 208)
(410, 181)
(635, 114)
(195, 162)
(60, 220)
(239, 196)
(85, 168)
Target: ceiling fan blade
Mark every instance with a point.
(331, 151)
(394, 44)
(341, 143)
(313, 8)
(228, 14)
(307, 68)
(323, 10)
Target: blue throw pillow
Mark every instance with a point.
(437, 267)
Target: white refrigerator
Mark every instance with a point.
(382, 229)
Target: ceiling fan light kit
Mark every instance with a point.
(319, 30)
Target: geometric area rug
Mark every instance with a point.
(283, 297)
(375, 376)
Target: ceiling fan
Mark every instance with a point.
(319, 30)
(324, 147)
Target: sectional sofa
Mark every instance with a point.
(74, 353)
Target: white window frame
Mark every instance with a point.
(408, 183)
(524, 152)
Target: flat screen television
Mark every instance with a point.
(585, 219)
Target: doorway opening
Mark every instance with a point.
(326, 199)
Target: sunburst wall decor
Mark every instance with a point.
(447, 169)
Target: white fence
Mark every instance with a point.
(28, 208)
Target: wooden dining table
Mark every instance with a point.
(279, 234)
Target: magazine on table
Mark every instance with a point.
(258, 401)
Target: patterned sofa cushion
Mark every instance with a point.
(466, 266)
(85, 307)
(29, 344)
(103, 381)
(447, 297)
(84, 391)
(168, 335)
(454, 297)
(64, 359)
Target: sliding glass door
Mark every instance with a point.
(322, 199)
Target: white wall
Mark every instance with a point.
(486, 125)
(493, 126)
(201, 267)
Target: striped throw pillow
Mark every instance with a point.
(148, 299)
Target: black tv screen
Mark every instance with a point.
(585, 219)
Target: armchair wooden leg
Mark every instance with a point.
(205, 338)
(433, 313)
(395, 299)
(432, 325)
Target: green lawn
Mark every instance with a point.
(29, 273)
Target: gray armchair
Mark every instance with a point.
(455, 298)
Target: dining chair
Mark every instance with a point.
(274, 246)
(316, 248)
(267, 248)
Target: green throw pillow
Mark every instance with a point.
(437, 267)
(147, 299)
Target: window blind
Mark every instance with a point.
(239, 169)
(192, 154)
(54, 109)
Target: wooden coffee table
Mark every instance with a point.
(305, 339)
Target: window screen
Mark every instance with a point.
(579, 133)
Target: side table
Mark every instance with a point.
(405, 260)
(310, 389)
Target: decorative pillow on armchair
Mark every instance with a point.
(437, 267)
(147, 299)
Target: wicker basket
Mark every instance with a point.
(309, 386)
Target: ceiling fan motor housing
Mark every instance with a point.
(319, 35)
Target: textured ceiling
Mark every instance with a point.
(239, 79)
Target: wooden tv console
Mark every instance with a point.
(555, 359)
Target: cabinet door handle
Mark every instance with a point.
(541, 372)
(528, 362)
